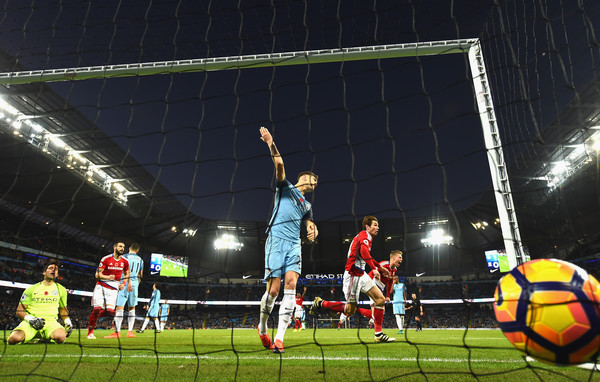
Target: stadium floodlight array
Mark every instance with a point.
(437, 237)
(228, 241)
(24, 127)
(580, 156)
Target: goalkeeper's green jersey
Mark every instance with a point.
(44, 301)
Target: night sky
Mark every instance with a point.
(391, 137)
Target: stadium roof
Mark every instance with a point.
(41, 182)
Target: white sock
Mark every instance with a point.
(131, 320)
(118, 320)
(156, 324)
(399, 321)
(162, 325)
(266, 306)
(145, 323)
(286, 308)
(402, 322)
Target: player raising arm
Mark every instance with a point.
(39, 306)
(283, 257)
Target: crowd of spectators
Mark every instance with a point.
(23, 267)
(26, 268)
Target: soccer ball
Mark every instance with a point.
(550, 310)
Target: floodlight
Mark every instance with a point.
(437, 237)
(228, 241)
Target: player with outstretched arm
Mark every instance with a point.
(283, 257)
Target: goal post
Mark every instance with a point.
(481, 86)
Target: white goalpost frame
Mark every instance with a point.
(493, 144)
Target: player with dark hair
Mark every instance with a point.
(165, 309)
(39, 306)
(417, 310)
(129, 295)
(356, 280)
(112, 276)
(152, 309)
(399, 303)
(299, 311)
(283, 254)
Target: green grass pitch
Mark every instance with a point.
(324, 354)
(173, 269)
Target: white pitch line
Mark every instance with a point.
(243, 357)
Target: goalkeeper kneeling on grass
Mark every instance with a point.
(39, 306)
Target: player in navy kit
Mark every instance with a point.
(417, 311)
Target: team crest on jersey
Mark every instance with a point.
(23, 297)
(366, 242)
(54, 293)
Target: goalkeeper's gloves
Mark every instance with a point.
(68, 326)
(35, 322)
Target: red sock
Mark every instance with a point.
(93, 319)
(378, 319)
(365, 312)
(298, 324)
(106, 312)
(336, 306)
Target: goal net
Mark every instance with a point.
(140, 122)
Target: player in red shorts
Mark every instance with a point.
(112, 275)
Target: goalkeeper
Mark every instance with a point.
(38, 308)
